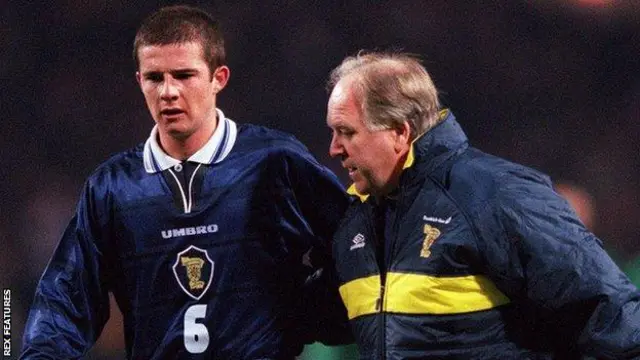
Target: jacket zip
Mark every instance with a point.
(387, 265)
(379, 307)
(383, 280)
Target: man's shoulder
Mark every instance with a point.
(479, 179)
(358, 207)
(263, 133)
(476, 168)
(256, 137)
(127, 161)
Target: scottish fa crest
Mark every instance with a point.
(194, 271)
(431, 233)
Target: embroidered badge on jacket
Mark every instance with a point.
(430, 235)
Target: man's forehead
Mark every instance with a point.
(344, 114)
(196, 45)
(171, 56)
(343, 101)
(342, 91)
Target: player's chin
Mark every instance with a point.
(177, 132)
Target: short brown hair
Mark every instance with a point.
(182, 24)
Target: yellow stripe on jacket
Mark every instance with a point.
(422, 294)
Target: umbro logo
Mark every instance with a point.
(188, 231)
(358, 242)
(436, 219)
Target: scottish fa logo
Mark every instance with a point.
(431, 233)
(194, 271)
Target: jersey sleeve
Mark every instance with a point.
(321, 201)
(71, 303)
(554, 264)
(320, 195)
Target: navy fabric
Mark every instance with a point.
(260, 227)
(502, 221)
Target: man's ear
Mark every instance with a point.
(139, 78)
(220, 78)
(403, 137)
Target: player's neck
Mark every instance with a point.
(181, 148)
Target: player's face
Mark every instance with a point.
(179, 89)
(372, 157)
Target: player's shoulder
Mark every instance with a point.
(127, 161)
(257, 137)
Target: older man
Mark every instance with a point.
(451, 253)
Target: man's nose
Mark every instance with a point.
(169, 89)
(335, 148)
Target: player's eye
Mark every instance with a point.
(153, 77)
(183, 76)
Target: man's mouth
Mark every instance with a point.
(171, 112)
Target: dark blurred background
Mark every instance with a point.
(554, 85)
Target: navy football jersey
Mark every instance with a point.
(208, 258)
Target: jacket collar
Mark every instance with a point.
(214, 151)
(436, 145)
(430, 149)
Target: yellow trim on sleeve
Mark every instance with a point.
(360, 296)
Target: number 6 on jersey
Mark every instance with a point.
(196, 335)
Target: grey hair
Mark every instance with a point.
(392, 88)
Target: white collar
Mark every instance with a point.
(214, 151)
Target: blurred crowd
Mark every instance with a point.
(554, 85)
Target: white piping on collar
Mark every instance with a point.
(215, 150)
